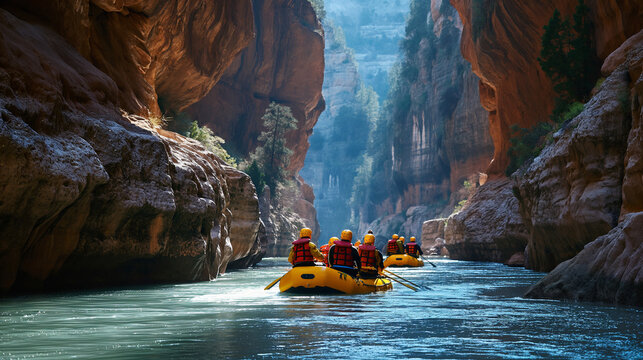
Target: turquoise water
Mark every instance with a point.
(472, 312)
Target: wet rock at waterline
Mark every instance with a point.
(608, 269)
(90, 194)
(489, 227)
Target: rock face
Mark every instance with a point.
(91, 195)
(177, 49)
(607, 269)
(431, 231)
(284, 64)
(489, 228)
(439, 129)
(571, 192)
(511, 94)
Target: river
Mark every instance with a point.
(472, 311)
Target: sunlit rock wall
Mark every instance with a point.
(91, 194)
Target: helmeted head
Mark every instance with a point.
(412, 239)
(347, 235)
(369, 232)
(395, 237)
(369, 239)
(305, 233)
(332, 240)
(402, 239)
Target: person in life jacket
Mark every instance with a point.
(303, 252)
(412, 248)
(324, 249)
(393, 246)
(343, 257)
(370, 258)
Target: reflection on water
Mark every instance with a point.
(472, 312)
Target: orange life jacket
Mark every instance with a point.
(368, 257)
(392, 247)
(301, 248)
(411, 249)
(324, 250)
(343, 254)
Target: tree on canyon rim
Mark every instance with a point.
(569, 59)
(272, 157)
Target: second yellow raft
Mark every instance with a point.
(403, 260)
(320, 279)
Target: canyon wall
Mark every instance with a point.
(283, 64)
(573, 192)
(93, 194)
(438, 132)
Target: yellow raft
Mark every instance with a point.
(403, 260)
(321, 279)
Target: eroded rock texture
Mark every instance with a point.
(608, 269)
(513, 88)
(90, 194)
(490, 228)
(571, 192)
(284, 64)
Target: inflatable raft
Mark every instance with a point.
(321, 279)
(403, 260)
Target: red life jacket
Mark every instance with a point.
(324, 250)
(392, 247)
(301, 248)
(411, 249)
(368, 257)
(343, 254)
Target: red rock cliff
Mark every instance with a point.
(90, 194)
(504, 51)
(285, 64)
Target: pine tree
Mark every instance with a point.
(568, 57)
(272, 155)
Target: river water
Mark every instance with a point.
(472, 311)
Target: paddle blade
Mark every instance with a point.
(273, 283)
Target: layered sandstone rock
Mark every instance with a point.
(284, 64)
(489, 228)
(571, 192)
(91, 195)
(431, 231)
(176, 50)
(513, 88)
(607, 270)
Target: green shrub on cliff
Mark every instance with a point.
(211, 142)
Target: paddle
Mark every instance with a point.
(427, 260)
(273, 283)
(401, 283)
(407, 280)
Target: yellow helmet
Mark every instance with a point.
(402, 239)
(412, 239)
(332, 240)
(395, 237)
(305, 233)
(347, 235)
(369, 239)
